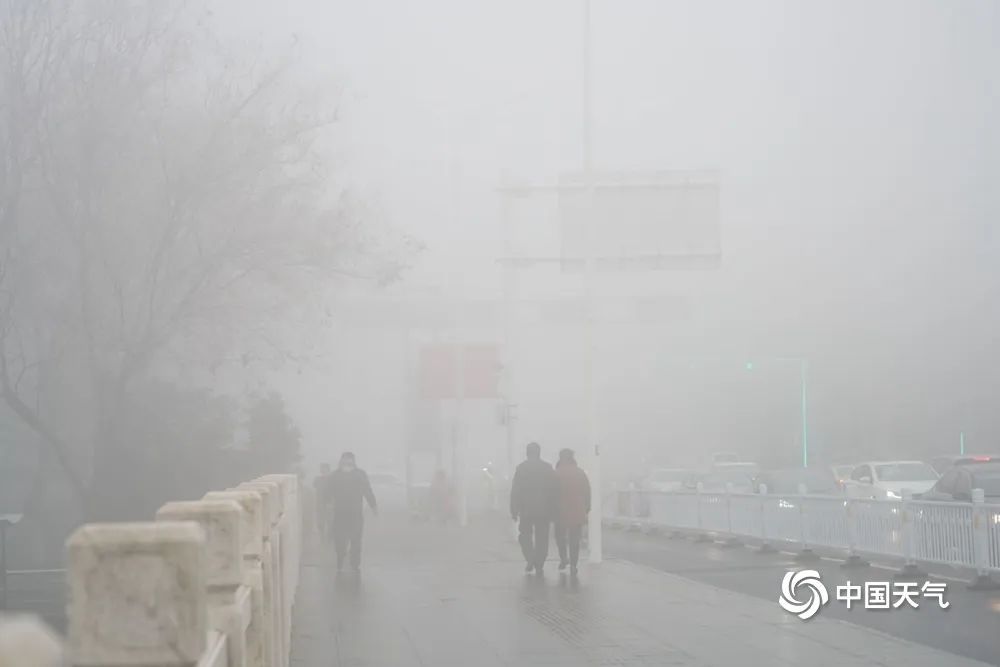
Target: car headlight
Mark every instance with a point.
(892, 495)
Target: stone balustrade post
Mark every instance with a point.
(259, 623)
(137, 595)
(291, 540)
(228, 599)
(292, 549)
(273, 570)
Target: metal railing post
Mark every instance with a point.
(805, 553)
(981, 543)
(765, 544)
(701, 535)
(731, 539)
(850, 515)
(910, 568)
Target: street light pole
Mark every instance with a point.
(805, 415)
(595, 538)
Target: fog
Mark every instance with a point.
(855, 151)
(242, 237)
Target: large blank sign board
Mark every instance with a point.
(655, 220)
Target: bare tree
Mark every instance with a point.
(157, 193)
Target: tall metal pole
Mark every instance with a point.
(3, 564)
(460, 454)
(461, 460)
(509, 290)
(805, 415)
(595, 538)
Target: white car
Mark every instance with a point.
(886, 480)
(667, 479)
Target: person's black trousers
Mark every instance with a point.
(534, 538)
(568, 542)
(347, 532)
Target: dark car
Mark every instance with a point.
(942, 463)
(815, 481)
(957, 483)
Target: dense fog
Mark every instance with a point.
(242, 237)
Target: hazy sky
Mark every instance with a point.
(817, 113)
(856, 141)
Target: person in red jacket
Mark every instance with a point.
(573, 506)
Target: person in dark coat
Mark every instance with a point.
(532, 504)
(572, 508)
(348, 490)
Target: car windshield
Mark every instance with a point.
(843, 472)
(905, 472)
(669, 475)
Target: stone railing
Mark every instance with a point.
(209, 583)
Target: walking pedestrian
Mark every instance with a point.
(573, 506)
(349, 489)
(532, 504)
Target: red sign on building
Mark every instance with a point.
(439, 370)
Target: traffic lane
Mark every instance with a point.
(968, 627)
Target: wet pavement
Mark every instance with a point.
(439, 596)
(968, 627)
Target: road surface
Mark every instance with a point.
(969, 627)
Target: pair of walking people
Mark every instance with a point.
(541, 497)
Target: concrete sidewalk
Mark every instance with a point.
(442, 597)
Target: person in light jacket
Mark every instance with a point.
(572, 508)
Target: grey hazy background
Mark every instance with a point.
(857, 152)
(858, 159)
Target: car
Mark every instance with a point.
(957, 483)
(667, 479)
(728, 467)
(842, 472)
(792, 481)
(942, 463)
(886, 480)
(734, 477)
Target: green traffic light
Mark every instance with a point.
(749, 365)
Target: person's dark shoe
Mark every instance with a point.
(562, 565)
(529, 568)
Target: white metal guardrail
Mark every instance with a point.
(964, 535)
